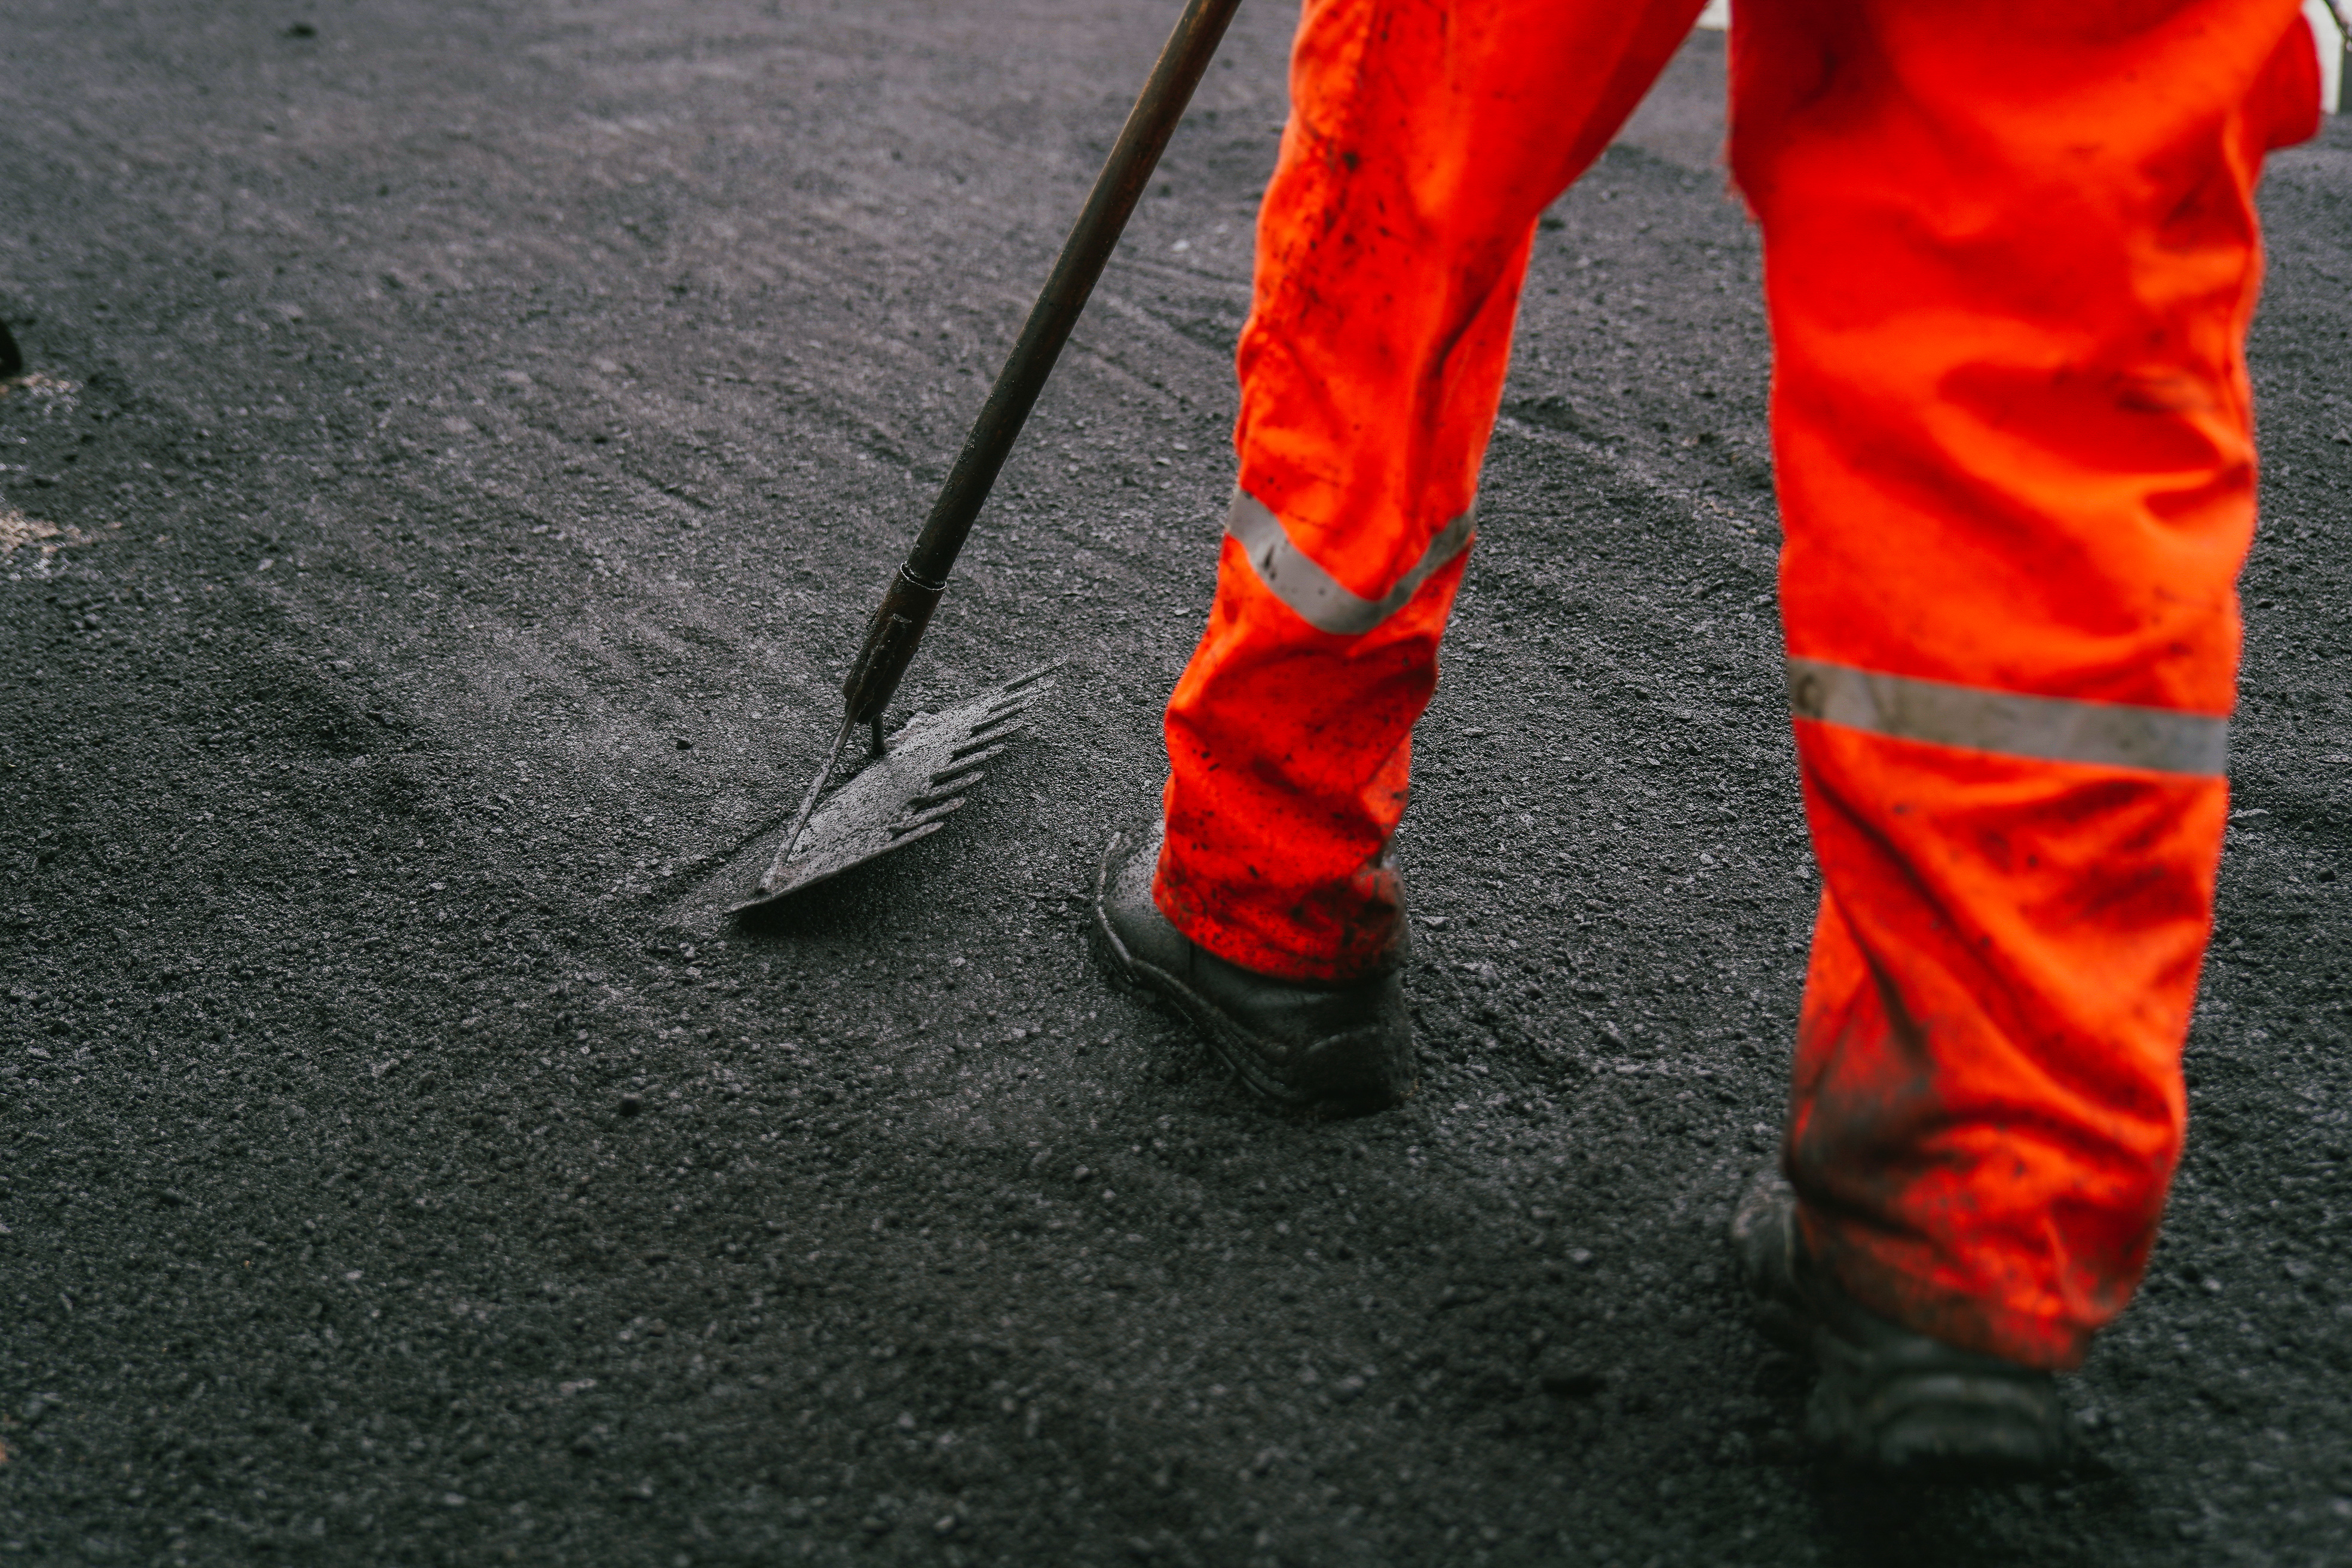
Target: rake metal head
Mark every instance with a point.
(907, 792)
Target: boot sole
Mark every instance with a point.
(1226, 1037)
(1934, 1427)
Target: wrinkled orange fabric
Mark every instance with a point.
(2011, 257)
(2010, 267)
(1421, 149)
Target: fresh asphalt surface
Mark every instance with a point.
(463, 442)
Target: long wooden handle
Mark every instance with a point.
(899, 623)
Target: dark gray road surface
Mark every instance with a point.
(463, 439)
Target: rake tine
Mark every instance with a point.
(915, 819)
(1018, 702)
(956, 777)
(983, 743)
(1003, 710)
(941, 791)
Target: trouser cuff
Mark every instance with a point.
(1965, 1323)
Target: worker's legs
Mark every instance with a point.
(1425, 139)
(2010, 263)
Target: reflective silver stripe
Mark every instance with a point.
(1314, 594)
(2055, 730)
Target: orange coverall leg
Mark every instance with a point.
(2010, 261)
(1422, 147)
(2009, 265)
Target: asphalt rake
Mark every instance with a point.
(914, 779)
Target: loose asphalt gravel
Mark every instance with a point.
(459, 445)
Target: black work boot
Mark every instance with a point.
(1342, 1047)
(1888, 1398)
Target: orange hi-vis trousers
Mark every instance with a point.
(2011, 257)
